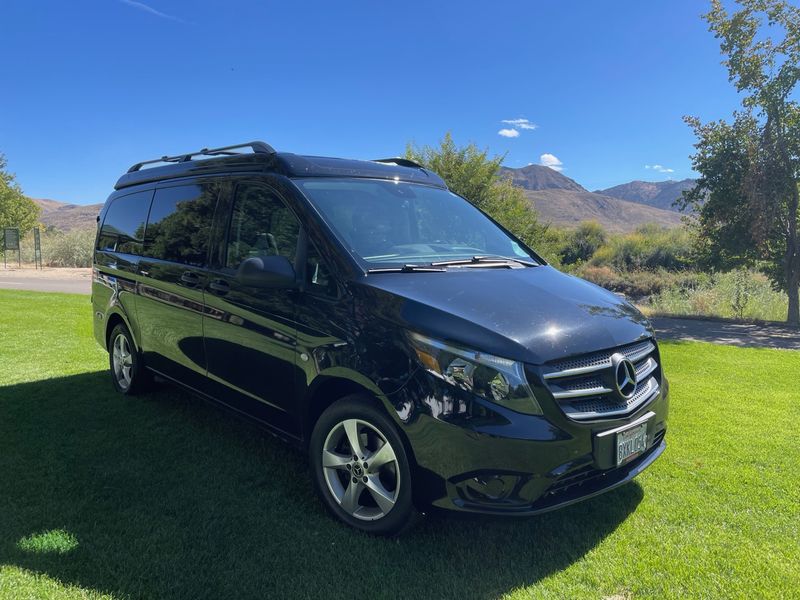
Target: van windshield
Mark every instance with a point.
(388, 223)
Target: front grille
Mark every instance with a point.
(584, 386)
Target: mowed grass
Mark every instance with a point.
(164, 496)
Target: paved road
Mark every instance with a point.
(49, 284)
(731, 334)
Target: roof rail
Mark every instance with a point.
(400, 162)
(257, 147)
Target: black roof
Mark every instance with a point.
(264, 159)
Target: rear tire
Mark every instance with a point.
(360, 467)
(128, 374)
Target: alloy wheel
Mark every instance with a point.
(122, 359)
(361, 469)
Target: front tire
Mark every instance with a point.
(360, 467)
(127, 372)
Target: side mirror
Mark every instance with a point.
(267, 272)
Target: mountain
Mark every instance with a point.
(537, 177)
(65, 216)
(563, 202)
(661, 194)
(567, 208)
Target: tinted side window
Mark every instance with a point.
(123, 226)
(179, 225)
(261, 225)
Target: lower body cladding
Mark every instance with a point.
(472, 455)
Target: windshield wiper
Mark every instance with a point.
(407, 269)
(484, 261)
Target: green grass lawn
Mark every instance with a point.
(164, 496)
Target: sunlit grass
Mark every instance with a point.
(55, 541)
(165, 497)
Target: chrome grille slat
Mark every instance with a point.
(581, 393)
(598, 362)
(644, 369)
(580, 387)
(600, 408)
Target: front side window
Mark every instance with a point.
(123, 226)
(261, 225)
(179, 225)
(388, 223)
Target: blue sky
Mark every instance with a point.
(90, 87)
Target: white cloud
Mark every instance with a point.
(151, 10)
(552, 161)
(659, 168)
(520, 123)
(509, 133)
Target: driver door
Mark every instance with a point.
(250, 334)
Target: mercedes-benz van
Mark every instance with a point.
(419, 352)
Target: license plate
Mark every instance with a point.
(631, 442)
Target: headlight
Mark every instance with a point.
(496, 379)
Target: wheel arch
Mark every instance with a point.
(114, 319)
(330, 388)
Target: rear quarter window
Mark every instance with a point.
(124, 223)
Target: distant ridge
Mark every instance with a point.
(537, 177)
(661, 194)
(66, 217)
(563, 202)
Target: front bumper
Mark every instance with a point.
(569, 490)
(474, 456)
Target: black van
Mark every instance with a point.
(419, 352)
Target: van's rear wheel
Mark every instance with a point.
(127, 373)
(361, 470)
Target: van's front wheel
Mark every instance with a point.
(361, 470)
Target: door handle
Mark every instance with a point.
(219, 287)
(190, 278)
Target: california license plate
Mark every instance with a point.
(631, 443)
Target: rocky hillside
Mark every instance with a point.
(661, 194)
(65, 216)
(563, 202)
(567, 208)
(537, 177)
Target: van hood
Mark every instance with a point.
(532, 314)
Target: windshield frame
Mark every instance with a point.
(366, 266)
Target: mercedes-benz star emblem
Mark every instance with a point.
(624, 376)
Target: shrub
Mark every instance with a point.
(70, 249)
(740, 294)
(648, 248)
(580, 244)
(636, 284)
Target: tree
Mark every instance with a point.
(723, 208)
(471, 173)
(747, 195)
(15, 209)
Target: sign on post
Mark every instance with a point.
(37, 248)
(11, 242)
